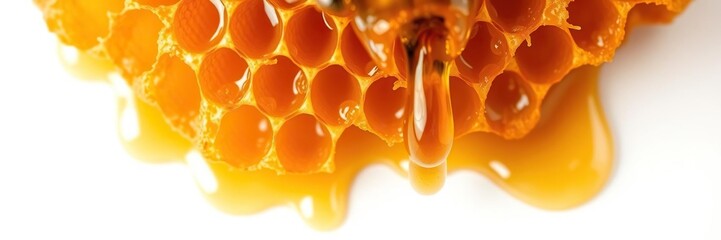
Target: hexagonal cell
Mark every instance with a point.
(244, 137)
(598, 20)
(466, 105)
(156, 3)
(280, 87)
(643, 13)
(224, 76)
(400, 57)
(549, 58)
(199, 25)
(485, 55)
(88, 22)
(133, 42)
(311, 37)
(516, 16)
(509, 101)
(336, 96)
(355, 54)
(303, 144)
(384, 108)
(287, 4)
(256, 28)
(176, 91)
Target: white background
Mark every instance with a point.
(63, 173)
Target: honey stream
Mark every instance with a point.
(564, 162)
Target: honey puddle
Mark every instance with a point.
(564, 162)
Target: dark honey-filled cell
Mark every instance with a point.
(384, 108)
(311, 37)
(335, 96)
(224, 77)
(177, 94)
(549, 57)
(133, 43)
(280, 87)
(515, 15)
(598, 20)
(355, 55)
(485, 54)
(255, 28)
(199, 24)
(510, 101)
(466, 106)
(244, 137)
(303, 144)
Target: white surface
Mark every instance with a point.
(64, 175)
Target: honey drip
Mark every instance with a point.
(429, 130)
(564, 162)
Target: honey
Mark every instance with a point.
(287, 100)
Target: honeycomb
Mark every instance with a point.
(272, 84)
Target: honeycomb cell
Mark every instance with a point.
(311, 37)
(549, 58)
(255, 28)
(156, 3)
(355, 55)
(335, 95)
(400, 57)
(133, 42)
(280, 87)
(224, 77)
(598, 20)
(199, 24)
(515, 16)
(466, 105)
(88, 23)
(509, 101)
(485, 55)
(287, 4)
(244, 137)
(303, 144)
(384, 108)
(176, 91)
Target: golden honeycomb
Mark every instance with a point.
(273, 83)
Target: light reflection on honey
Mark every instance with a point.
(564, 162)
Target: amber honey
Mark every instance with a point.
(287, 101)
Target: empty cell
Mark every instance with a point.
(224, 77)
(485, 55)
(256, 28)
(303, 144)
(199, 25)
(384, 108)
(509, 101)
(280, 87)
(133, 43)
(515, 15)
(466, 105)
(244, 137)
(549, 58)
(177, 94)
(335, 95)
(598, 20)
(311, 37)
